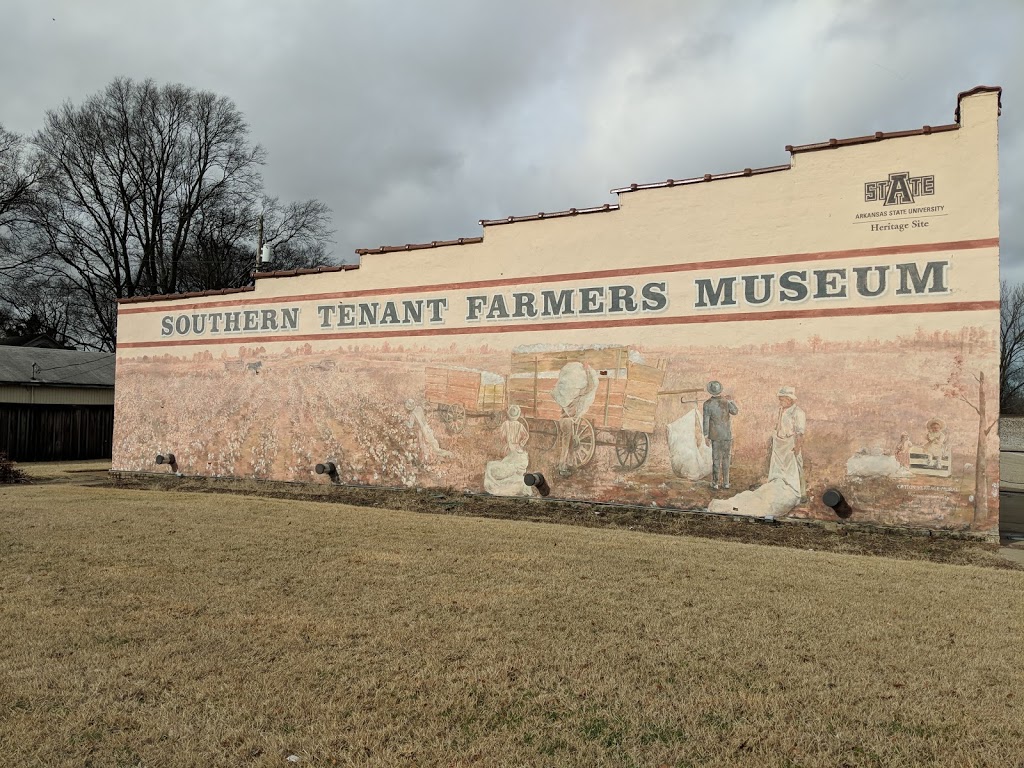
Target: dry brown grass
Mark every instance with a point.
(145, 628)
(845, 538)
(64, 470)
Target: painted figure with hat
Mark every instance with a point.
(718, 412)
(786, 462)
(935, 443)
(903, 448)
(505, 476)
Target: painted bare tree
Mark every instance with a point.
(958, 389)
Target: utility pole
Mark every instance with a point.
(259, 244)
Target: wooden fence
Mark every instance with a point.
(56, 432)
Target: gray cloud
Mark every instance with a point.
(413, 120)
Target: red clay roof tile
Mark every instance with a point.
(419, 246)
(189, 295)
(700, 179)
(996, 89)
(550, 215)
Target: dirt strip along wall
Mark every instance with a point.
(846, 306)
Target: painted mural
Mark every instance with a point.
(739, 348)
(753, 430)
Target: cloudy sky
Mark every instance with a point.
(414, 119)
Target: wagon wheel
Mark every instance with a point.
(495, 419)
(582, 444)
(454, 418)
(631, 449)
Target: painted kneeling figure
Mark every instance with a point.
(505, 477)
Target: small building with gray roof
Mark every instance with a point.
(55, 404)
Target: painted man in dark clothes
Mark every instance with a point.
(718, 410)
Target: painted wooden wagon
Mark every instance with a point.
(461, 394)
(621, 414)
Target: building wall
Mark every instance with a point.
(16, 393)
(609, 398)
(56, 432)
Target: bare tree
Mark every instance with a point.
(55, 307)
(129, 170)
(1011, 349)
(20, 173)
(223, 251)
(145, 189)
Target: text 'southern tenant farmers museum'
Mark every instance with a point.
(738, 342)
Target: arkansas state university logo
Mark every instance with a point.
(899, 189)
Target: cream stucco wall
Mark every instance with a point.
(803, 218)
(809, 208)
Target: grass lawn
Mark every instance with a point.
(177, 629)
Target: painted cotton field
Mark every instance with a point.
(276, 415)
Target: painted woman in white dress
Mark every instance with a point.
(787, 455)
(505, 477)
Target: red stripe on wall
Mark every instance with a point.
(888, 250)
(791, 314)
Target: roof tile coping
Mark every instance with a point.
(699, 179)
(830, 144)
(419, 246)
(922, 131)
(996, 89)
(550, 215)
(876, 136)
(243, 289)
(308, 271)
(189, 295)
